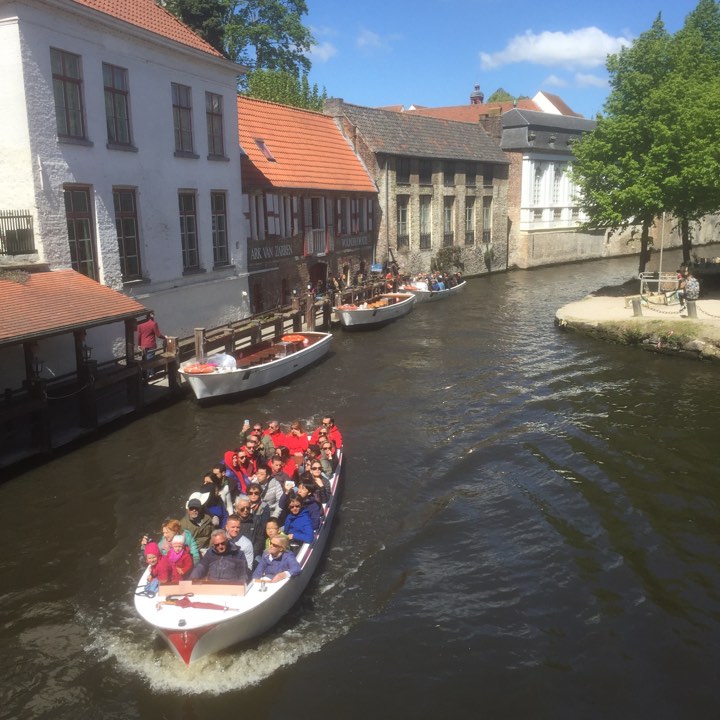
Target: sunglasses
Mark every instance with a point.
(253, 492)
(276, 545)
(220, 544)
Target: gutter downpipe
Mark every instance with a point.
(387, 208)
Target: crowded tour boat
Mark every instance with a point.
(437, 286)
(252, 535)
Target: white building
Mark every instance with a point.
(119, 155)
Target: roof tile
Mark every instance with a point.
(148, 15)
(308, 148)
(48, 303)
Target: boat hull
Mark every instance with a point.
(248, 379)
(193, 633)
(361, 318)
(425, 296)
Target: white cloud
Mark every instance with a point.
(322, 52)
(553, 81)
(323, 31)
(369, 40)
(585, 48)
(588, 80)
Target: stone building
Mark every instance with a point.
(442, 188)
(310, 205)
(119, 156)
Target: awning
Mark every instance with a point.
(37, 305)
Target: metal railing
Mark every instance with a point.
(16, 232)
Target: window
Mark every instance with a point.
(448, 221)
(286, 223)
(68, 92)
(16, 232)
(402, 171)
(425, 172)
(214, 115)
(487, 219)
(487, 175)
(470, 175)
(219, 228)
(126, 226)
(449, 174)
(81, 237)
(538, 183)
(182, 118)
(425, 222)
(264, 149)
(469, 220)
(403, 228)
(188, 231)
(117, 108)
(557, 182)
(342, 217)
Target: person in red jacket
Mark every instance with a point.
(147, 333)
(179, 560)
(328, 423)
(296, 440)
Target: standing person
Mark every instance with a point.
(148, 332)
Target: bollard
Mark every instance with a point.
(637, 307)
(691, 309)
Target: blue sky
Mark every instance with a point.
(433, 52)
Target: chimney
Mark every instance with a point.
(477, 97)
(333, 106)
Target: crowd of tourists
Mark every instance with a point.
(250, 512)
(434, 281)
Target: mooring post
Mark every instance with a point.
(637, 307)
(200, 344)
(691, 308)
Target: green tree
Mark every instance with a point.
(261, 34)
(617, 171)
(284, 87)
(500, 95)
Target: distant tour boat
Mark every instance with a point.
(256, 367)
(423, 295)
(378, 311)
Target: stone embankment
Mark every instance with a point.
(661, 328)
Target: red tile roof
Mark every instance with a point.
(148, 15)
(308, 148)
(471, 113)
(51, 303)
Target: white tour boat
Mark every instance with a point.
(199, 619)
(256, 367)
(378, 311)
(422, 294)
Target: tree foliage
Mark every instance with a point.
(500, 95)
(261, 34)
(657, 145)
(284, 87)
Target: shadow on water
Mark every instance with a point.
(529, 526)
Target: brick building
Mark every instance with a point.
(442, 187)
(309, 202)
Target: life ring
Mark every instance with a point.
(293, 338)
(199, 369)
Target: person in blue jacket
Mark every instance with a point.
(277, 562)
(298, 526)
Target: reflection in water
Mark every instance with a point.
(530, 523)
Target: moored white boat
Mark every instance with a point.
(202, 619)
(257, 367)
(380, 310)
(423, 295)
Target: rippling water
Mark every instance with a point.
(529, 529)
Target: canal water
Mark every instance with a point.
(529, 528)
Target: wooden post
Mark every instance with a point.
(130, 325)
(230, 342)
(326, 315)
(297, 321)
(200, 344)
(279, 322)
(310, 312)
(171, 348)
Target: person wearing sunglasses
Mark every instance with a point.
(328, 424)
(222, 563)
(277, 563)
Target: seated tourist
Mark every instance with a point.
(232, 529)
(179, 559)
(213, 504)
(158, 567)
(222, 563)
(270, 489)
(235, 472)
(197, 523)
(277, 563)
(298, 525)
(259, 508)
(296, 440)
(248, 461)
(272, 530)
(310, 504)
(330, 460)
(171, 527)
(328, 423)
(250, 526)
(228, 487)
(254, 433)
(275, 433)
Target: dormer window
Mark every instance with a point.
(264, 149)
